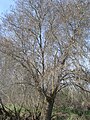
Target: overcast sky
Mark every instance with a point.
(5, 5)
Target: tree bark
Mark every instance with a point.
(49, 110)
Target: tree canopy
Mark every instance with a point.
(48, 42)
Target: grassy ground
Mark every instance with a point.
(71, 114)
(62, 113)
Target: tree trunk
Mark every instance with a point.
(49, 110)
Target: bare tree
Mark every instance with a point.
(49, 39)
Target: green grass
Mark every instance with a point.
(72, 113)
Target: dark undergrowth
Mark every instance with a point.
(63, 113)
(69, 113)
